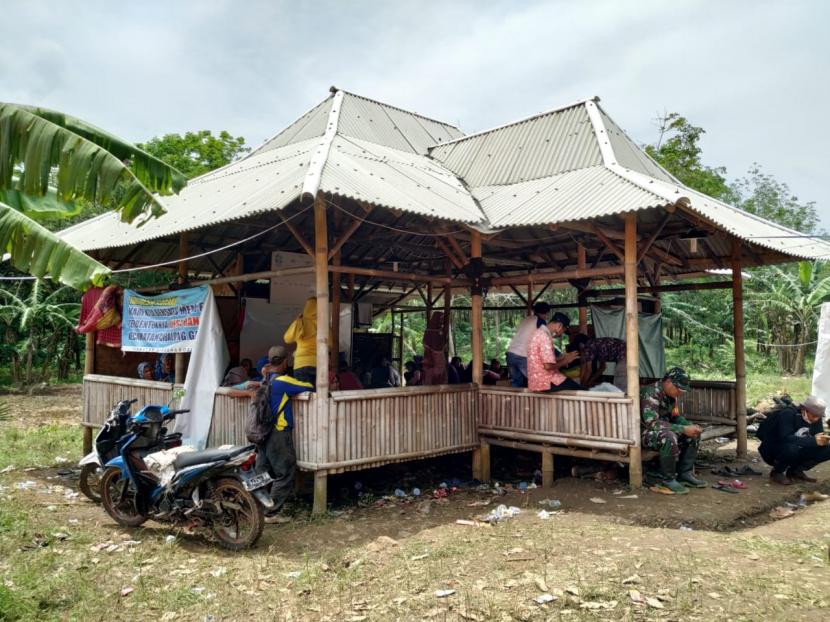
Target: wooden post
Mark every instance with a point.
(547, 469)
(321, 282)
(476, 325)
(484, 453)
(740, 362)
(179, 358)
(583, 310)
(632, 340)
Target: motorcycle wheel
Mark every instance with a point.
(90, 482)
(241, 520)
(121, 507)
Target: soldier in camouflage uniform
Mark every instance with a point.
(667, 431)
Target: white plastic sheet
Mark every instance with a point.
(208, 361)
(821, 369)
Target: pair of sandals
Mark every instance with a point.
(732, 472)
(730, 486)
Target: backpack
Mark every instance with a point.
(261, 420)
(785, 402)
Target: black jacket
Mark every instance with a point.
(789, 427)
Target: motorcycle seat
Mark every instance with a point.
(191, 458)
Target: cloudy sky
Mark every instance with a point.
(753, 73)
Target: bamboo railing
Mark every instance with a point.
(101, 393)
(710, 401)
(572, 418)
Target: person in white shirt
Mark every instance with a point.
(517, 350)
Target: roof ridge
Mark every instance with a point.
(314, 174)
(334, 89)
(537, 115)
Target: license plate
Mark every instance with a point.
(257, 481)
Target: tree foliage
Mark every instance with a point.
(197, 153)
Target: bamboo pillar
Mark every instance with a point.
(547, 469)
(476, 325)
(635, 466)
(583, 310)
(740, 362)
(321, 282)
(89, 368)
(179, 358)
(334, 355)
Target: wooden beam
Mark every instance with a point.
(178, 360)
(390, 275)
(583, 310)
(299, 237)
(644, 249)
(541, 291)
(475, 315)
(632, 352)
(520, 295)
(740, 361)
(455, 261)
(564, 275)
(349, 232)
(456, 247)
(608, 243)
(660, 289)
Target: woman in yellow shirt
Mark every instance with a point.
(303, 332)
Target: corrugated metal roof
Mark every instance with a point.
(267, 181)
(575, 195)
(311, 125)
(627, 153)
(366, 171)
(541, 146)
(385, 125)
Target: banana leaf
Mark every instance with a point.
(37, 251)
(47, 206)
(90, 163)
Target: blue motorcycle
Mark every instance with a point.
(216, 492)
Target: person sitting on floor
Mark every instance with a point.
(665, 430)
(595, 354)
(793, 441)
(542, 364)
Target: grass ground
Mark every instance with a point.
(62, 558)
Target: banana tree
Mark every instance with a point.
(52, 164)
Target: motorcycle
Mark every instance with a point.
(215, 492)
(92, 465)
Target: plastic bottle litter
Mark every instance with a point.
(522, 486)
(416, 492)
(553, 504)
(502, 512)
(543, 514)
(399, 493)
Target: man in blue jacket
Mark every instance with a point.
(793, 441)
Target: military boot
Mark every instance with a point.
(668, 469)
(686, 468)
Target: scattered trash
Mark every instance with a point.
(168, 540)
(416, 492)
(218, 572)
(636, 597)
(399, 493)
(441, 492)
(294, 574)
(593, 605)
(51, 508)
(27, 485)
(416, 558)
(633, 579)
(685, 527)
(127, 591)
(553, 504)
(628, 497)
(502, 512)
(572, 590)
(71, 494)
(476, 504)
(653, 602)
(721, 440)
(541, 584)
(781, 512)
(597, 500)
(544, 514)
(815, 495)
(544, 598)
(8, 469)
(471, 523)
(522, 486)
(61, 460)
(444, 593)
(198, 590)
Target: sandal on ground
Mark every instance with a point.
(725, 487)
(661, 489)
(747, 470)
(733, 483)
(722, 470)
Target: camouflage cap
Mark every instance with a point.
(678, 377)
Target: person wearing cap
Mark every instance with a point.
(517, 350)
(542, 363)
(795, 441)
(670, 433)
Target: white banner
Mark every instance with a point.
(208, 361)
(821, 369)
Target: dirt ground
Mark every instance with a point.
(708, 555)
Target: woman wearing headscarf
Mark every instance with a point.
(165, 368)
(145, 371)
(435, 356)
